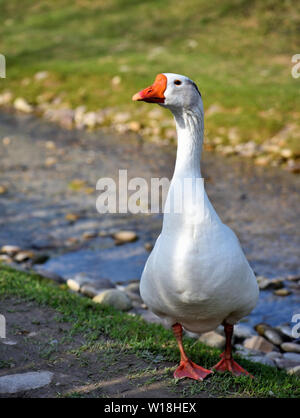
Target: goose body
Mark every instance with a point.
(197, 275)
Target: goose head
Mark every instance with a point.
(173, 91)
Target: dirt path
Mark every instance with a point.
(42, 342)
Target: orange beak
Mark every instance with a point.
(154, 93)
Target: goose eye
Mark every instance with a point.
(177, 82)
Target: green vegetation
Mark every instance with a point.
(129, 334)
(238, 51)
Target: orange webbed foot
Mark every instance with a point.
(231, 366)
(189, 369)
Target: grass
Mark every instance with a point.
(239, 52)
(129, 334)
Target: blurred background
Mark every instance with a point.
(76, 64)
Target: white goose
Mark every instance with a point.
(197, 275)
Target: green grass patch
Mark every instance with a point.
(239, 52)
(149, 341)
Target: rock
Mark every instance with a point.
(19, 382)
(134, 287)
(150, 317)
(3, 189)
(258, 343)
(286, 153)
(72, 217)
(125, 236)
(89, 120)
(212, 339)
(114, 297)
(5, 258)
(273, 336)
(292, 357)
(50, 161)
(116, 80)
(21, 105)
(41, 75)
(8, 342)
(148, 246)
(5, 98)
(264, 283)
(49, 275)
(286, 364)
(73, 285)
(273, 355)
(282, 292)
(121, 117)
(242, 331)
(134, 126)
(285, 330)
(261, 328)
(89, 234)
(291, 347)
(10, 249)
(22, 256)
(40, 258)
(245, 352)
(93, 289)
(294, 371)
(263, 360)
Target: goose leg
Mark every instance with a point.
(227, 363)
(187, 368)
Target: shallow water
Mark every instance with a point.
(260, 204)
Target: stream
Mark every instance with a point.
(39, 162)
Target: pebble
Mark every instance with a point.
(263, 360)
(292, 357)
(273, 355)
(290, 347)
(50, 161)
(283, 363)
(285, 330)
(72, 217)
(282, 292)
(20, 382)
(114, 297)
(23, 106)
(89, 234)
(5, 98)
(242, 331)
(92, 290)
(264, 283)
(10, 249)
(273, 336)
(5, 258)
(125, 236)
(8, 342)
(148, 246)
(212, 339)
(3, 189)
(258, 343)
(261, 328)
(294, 371)
(22, 256)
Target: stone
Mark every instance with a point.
(8, 342)
(5, 98)
(212, 339)
(292, 357)
(273, 336)
(89, 119)
(242, 331)
(134, 126)
(73, 285)
(22, 256)
(5, 258)
(273, 355)
(133, 287)
(263, 360)
(264, 283)
(10, 249)
(258, 343)
(92, 290)
(41, 75)
(148, 246)
(49, 275)
(89, 234)
(285, 330)
(20, 382)
(290, 347)
(115, 298)
(283, 363)
(294, 371)
(150, 317)
(50, 161)
(261, 328)
(282, 292)
(3, 189)
(72, 217)
(40, 258)
(125, 236)
(22, 105)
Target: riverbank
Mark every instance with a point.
(64, 65)
(108, 353)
